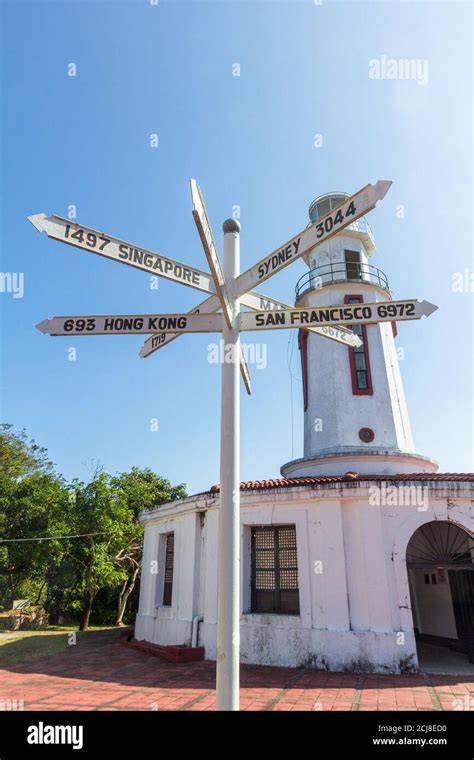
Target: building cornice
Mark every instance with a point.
(312, 489)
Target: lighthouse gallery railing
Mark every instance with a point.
(340, 272)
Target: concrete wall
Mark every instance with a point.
(355, 609)
(170, 624)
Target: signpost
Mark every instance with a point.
(258, 302)
(131, 324)
(210, 249)
(328, 226)
(228, 579)
(228, 290)
(137, 324)
(93, 241)
(349, 314)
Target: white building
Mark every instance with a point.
(362, 551)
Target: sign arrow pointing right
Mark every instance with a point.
(339, 218)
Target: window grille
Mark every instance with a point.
(275, 570)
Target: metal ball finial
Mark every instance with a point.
(231, 225)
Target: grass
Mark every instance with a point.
(23, 646)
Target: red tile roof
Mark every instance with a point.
(350, 477)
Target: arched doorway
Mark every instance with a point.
(440, 565)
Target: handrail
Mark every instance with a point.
(341, 272)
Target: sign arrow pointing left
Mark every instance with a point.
(93, 241)
(131, 324)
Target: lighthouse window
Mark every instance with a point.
(303, 345)
(353, 267)
(275, 570)
(169, 566)
(323, 207)
(359, 357)
(336, 201)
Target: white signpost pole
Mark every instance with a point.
(228, 590)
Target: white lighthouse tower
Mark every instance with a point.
(362, 553)
(355, 413)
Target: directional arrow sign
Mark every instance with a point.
(259, 303)
(113, 248)
(158, 340)
(347, 213)
(125, 253)
(350, 314)
(131, 324)
(210, 249)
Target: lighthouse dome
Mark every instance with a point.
(323, 204)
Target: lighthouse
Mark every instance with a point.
(355, 413)
(361, 556)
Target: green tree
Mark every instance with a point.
(94, 539)
(31, 494)
(20, 456)
(103, 514)
(141, 489)
(144, 489)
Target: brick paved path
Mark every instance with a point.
(101, 674)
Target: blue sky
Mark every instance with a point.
(249, 141)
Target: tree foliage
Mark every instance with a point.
(95, 538)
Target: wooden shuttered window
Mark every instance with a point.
(169, 565)
(275, 570)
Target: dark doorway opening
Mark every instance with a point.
(440, 565)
